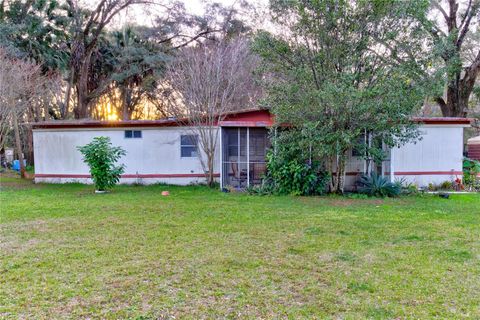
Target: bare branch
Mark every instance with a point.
(464, 26)
(207, 82)
(435, 4)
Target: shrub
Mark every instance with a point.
(432, 187)
(266, 188)
(406, 187)
(101, 157)
(471, 169)
(446, 185)
(294, 177)
(378, 186)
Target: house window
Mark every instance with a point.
(136, 134)
(188, 145)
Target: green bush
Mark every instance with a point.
(446, 185)
(471, 169)
(406, 187)
(266, 188)
(378, 186)
(101, 157)
(295, 177)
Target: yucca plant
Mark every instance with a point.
(378, 186)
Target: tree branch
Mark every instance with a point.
(199, 35)
(469, 14)
(439, 7)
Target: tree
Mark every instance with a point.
(35, 30)
(102, 157)
(138, 66)
(207, 82)
(461, 70)
(21, 81)
(341, 71)
(72, 39)
(39, 30)
(87, 30)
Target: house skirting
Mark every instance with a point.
(177, 178)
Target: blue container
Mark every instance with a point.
(16, 164)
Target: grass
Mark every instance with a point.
(198, 253)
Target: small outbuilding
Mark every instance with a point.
(166, 151)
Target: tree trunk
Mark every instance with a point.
(458, 94)
(341, 175)
(337, 165)
(29, 152)
(81, 111)
(125, 96)
(453, 108)
(18, 145)
(83, 100)
(33, 116)
(68, 92)
(335, 180)
(210, 177)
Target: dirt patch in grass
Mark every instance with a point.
(11, 180)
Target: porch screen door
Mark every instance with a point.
(243, 156)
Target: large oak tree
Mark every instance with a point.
(452, 30)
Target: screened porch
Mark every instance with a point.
(243, 156)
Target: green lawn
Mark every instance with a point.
(68, 253)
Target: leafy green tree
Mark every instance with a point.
(456, 42)
(36, 30)
(102, 157)
(341, 70)
(138, 67)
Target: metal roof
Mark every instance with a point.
(250, 117)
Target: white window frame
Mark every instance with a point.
(189, 146)
(133, 134)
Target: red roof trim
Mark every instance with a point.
(245, 123)
(243, 118)
(442, 120)
(87, 123)
(106, 124)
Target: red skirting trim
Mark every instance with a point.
(353, 173)
(128, 176)
(411, 173)
(426, 173)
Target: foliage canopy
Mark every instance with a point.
(334, 76)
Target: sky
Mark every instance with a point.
(142, 16)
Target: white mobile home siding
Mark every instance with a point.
(154, 158)
(436, 158)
